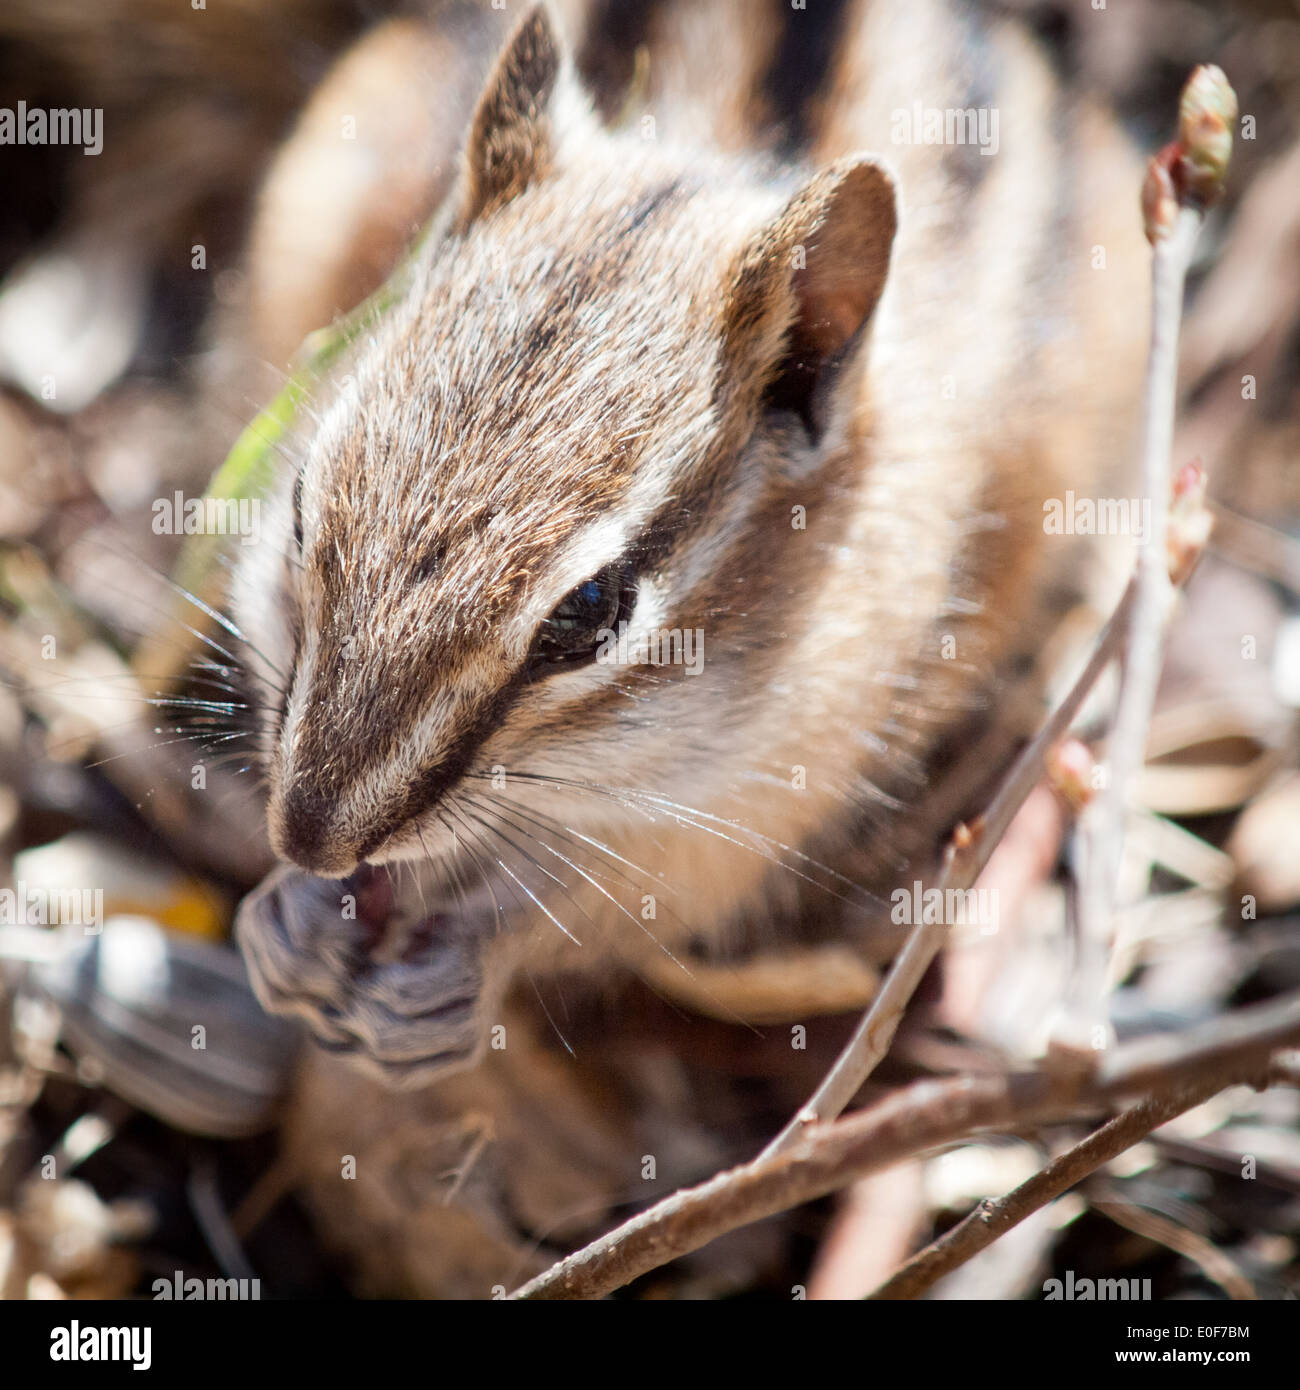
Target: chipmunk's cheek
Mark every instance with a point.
(404, 999)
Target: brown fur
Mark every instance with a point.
(577, 375)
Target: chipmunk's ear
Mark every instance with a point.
(809, 281)
(511, 136)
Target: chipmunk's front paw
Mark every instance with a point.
(401, 996)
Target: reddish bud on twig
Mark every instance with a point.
(1207, 112)
(1190, 171)
(1190, 521)
(966, 835)
(1159, 195)
(1070, 769)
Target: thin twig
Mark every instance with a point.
(993, 1218)
(920, 1117)
(1144, 1063)
(1255, 547)
(214, 1221)
(1284, 1070)
(1208, 1258)
(1101, 826)
(271, 1187)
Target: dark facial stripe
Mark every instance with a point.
(801, 67)
(434, 783)
(289, 604)
(606, 60)
(594, 271)
(643, 557)
(297, 511)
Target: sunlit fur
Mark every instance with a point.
(576, 375)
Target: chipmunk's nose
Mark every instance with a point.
(303, 830)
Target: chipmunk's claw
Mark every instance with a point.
(405, 1002)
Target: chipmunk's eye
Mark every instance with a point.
(574, 630)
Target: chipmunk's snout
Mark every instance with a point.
(304, 829)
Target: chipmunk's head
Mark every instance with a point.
(579, 433)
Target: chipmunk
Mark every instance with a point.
(640, 570)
